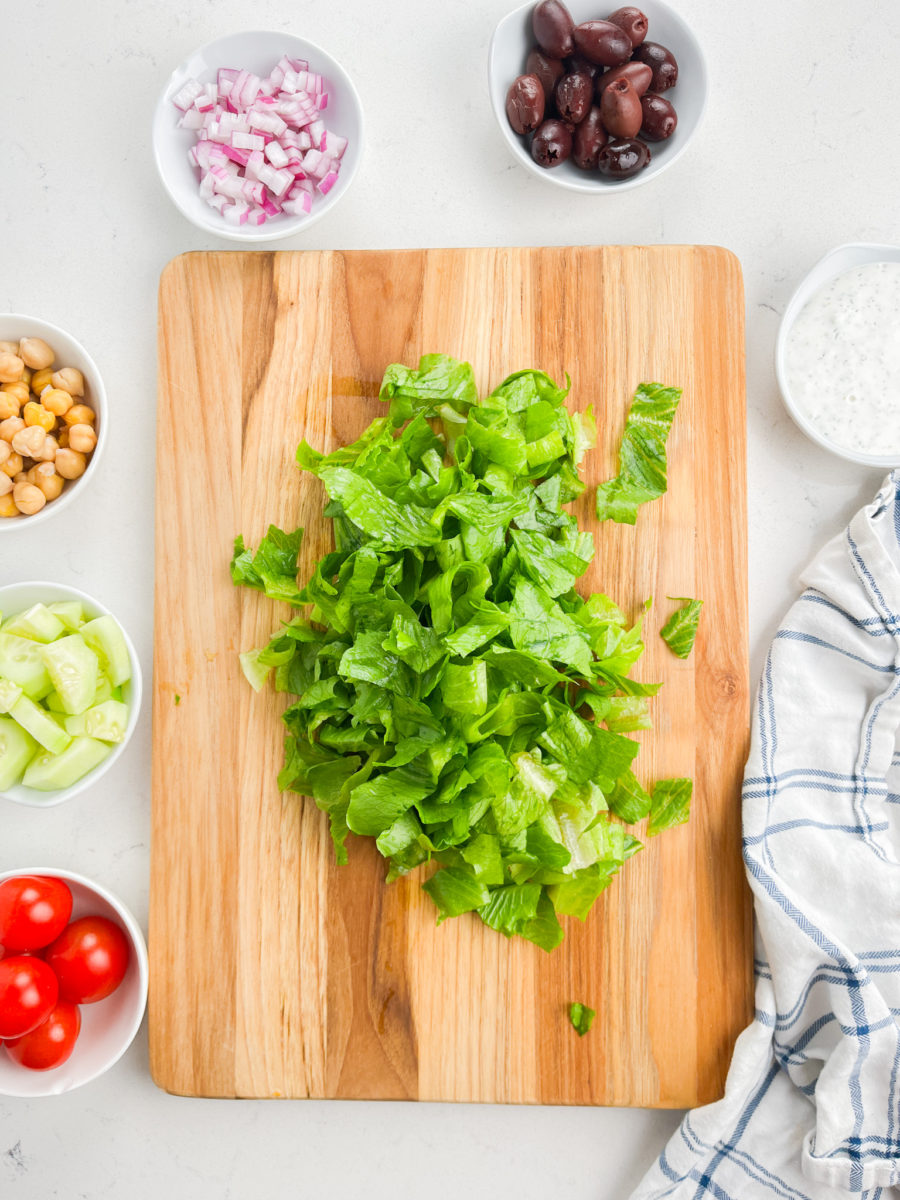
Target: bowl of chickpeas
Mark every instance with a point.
(53, 414)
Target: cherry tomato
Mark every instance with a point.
(28, 991)
(51, 1043)
(34, 910)
(90, 958)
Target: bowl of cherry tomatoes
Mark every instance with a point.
(73, 981)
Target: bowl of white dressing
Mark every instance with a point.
(838, 354)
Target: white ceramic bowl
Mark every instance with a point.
(258, 52)
(512, 40)
(15, 597)
(835, 262)
(69, 353)
(108, 1027)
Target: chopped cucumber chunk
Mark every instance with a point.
(104, 692)
(37, 623)
(21, 663)
(54, 703)
(50, 772)
(104, 637)
(40, 725)
(73, 668)
(16, 748)
(9, 694)
(107, 721)
(69, 612)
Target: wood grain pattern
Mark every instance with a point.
(282, 974)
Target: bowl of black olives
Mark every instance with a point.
(595, 100)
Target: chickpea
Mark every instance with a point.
(11, 368)
(22, 477)
(44, 476)
(79, 414)
(41, 380)
(47, 452)
(9, 405)
(6, 485)
(70, 379)
(57, 401)
(83, 438)
(9, 347)
(35, 352)
(37, 415)
(70, 464)
(10, 426)
(29, 498)
(13, 465)
(29, 442)
(5, 451)
(8, 507)
(20, 390)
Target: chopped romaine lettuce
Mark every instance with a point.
(453, 696)
(642, 455)
(680, 630)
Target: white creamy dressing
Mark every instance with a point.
(843, 359)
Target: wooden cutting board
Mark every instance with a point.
(276, 972)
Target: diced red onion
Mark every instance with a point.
(261, 146)
(184, 98)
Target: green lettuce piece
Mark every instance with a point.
(273, 568)
(680, 630)
(438, 381)
(450, 693)
(670, 804)
(642, 455)
(392, 525)
(629, 800)
(581, 1017)
(375, 805)
(455, 891)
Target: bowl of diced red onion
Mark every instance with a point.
(257, 135)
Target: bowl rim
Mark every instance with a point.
(101, 408)
(52, 799)
(599, 185)
(292, 225)
(821, 272)
(138, 943)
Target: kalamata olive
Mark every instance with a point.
(620, 107)
(547, 69)
(622, 159)
(525, 103)
(661, 62)
(552, 24)
(552, 143)
(589, 140)
(574, 94)
(602, 43)
(637, 74)
(660, 118)
(576, 63)
(633, 21)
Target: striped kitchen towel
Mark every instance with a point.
(812, 1103)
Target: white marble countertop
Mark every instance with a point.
(798, 154)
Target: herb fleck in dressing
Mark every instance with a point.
(843, 359)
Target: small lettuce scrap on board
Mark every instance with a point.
(456, 698)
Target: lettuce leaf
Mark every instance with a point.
(451, 694)
(642, 455)
(670, 804)
(680, 630)
(581, 1017)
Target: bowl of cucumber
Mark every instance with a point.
(70, 692)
